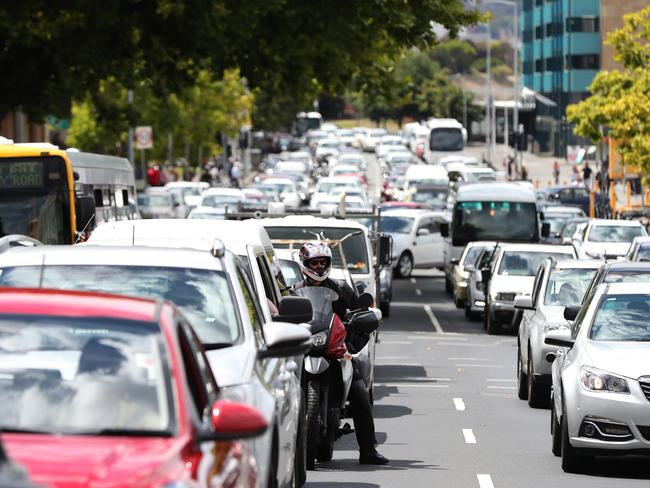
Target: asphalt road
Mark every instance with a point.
(446, 409)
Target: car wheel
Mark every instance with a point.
(404, 266)
(313, 409)
(556, 444)
(572, 462)
(522, 380)
(458, 302)
(538, 394)
(491, 326)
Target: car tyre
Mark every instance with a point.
(572, 462)
(448, 286)
(538, 394)
(469, 314)
(522, 380)
(313, 409)
(404, 266)
(556, 433)
(458, 302)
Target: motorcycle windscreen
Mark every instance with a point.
(321, 299)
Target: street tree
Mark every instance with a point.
(620, 100)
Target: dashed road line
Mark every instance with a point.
(463, 365)
(467, 359)
(418, 292)
(396, 342)
(413, 280)
(485, 481)
(411, 385)
(469, 436)
(500, 380)
(492, 387)
(433, 319)
(459, 404)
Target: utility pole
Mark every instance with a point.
(488, 96)
(517, 91)
(131, 155)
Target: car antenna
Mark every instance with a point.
(40, 279)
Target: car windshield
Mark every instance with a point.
(614, 233)
(279, 187)
(489, 221)
(525, 263)
(435, 198)
(159, 200)
(83, 375)
(203, 295)
(622, 318)
(566, 287)
(396, 225)
(354, 245)
(219, 200)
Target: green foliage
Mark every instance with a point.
(455, 55)
(501, 73)
(620, 100)
(289, 50)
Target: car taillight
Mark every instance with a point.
(336, 344)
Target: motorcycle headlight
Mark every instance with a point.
(319, 339)
(593, 379)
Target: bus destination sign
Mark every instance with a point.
(21, 174)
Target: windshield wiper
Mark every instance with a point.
(128, 433)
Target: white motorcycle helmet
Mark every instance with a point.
(316, 260)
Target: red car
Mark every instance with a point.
(99, 390)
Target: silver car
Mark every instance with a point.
(558, 284)
(601, 377)
(214, 291)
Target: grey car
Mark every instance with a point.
(216, 294)
(558, 284)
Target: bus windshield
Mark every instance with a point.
(34, 199)
(447, 139)
(494, 221)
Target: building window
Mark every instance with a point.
(528, 67)
(539, 32)
(539, 3)
(554, 64)
(582, 24)
(553, 29)
(539, 66)
(528, 5)
(583, 61)
(528, 35)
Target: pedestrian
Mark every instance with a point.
(524, 172)
(575, 175)
(235, 174)
(511, 166)
(586, 175)
(556, 172)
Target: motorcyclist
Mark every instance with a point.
(316, 263)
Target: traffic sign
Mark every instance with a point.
(143, 137)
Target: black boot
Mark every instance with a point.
(369, 455)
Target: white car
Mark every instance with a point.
(189, 191)
(354, 159)
(220, 197)
(327, 147)
(513, 273)
(343, 169)
(558, 284)
(328, 203)
(417, 242)
(602, 238)
(601, 386)
(325, 185)
(346, 136)
(351, 191)
(385, 142)
(372, 138)
(287, 189)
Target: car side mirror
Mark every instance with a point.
(444, 229)
(385, 257)
(85, 212)
(559, 337)
(234, 420)
(570, 313)
(295, 310)
(524, 302)
(285, 340)
(546, 229)
(454, 262)
(423, 231)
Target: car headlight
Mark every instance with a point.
(593, 379)
(319, 339)
(549, 327)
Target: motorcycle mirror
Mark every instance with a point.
(366, 300)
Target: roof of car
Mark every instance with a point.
(411, 212)
(578, 264)
(188, 233)
(627, 289)
(89, 255)
(311, 221)
(223, 191)
(627, 265)
(187, 184)
(481, 244)
(617, 223)
(562, 209)
(482, 192)
(76, 304)
(549, 248)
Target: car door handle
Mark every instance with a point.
(290, 366)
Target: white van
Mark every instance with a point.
(425, 174)
(446, 137)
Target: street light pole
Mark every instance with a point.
(517, 91)
(488, 96)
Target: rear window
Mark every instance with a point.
(566, 287)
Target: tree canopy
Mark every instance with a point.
(55, 51)
(620, 100)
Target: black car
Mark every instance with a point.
(577, 196)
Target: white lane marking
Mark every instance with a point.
(473, 344)
(411, 385)
(433, 319)
(429, 337)
(394, 357)
(478, 365)
(485, 481)
(418, 292)
(469, 436)
(405, 304)
(467, 359)
(413, 281)
(498, 380)
(459, 404)
(396, 342)
(491, 387)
